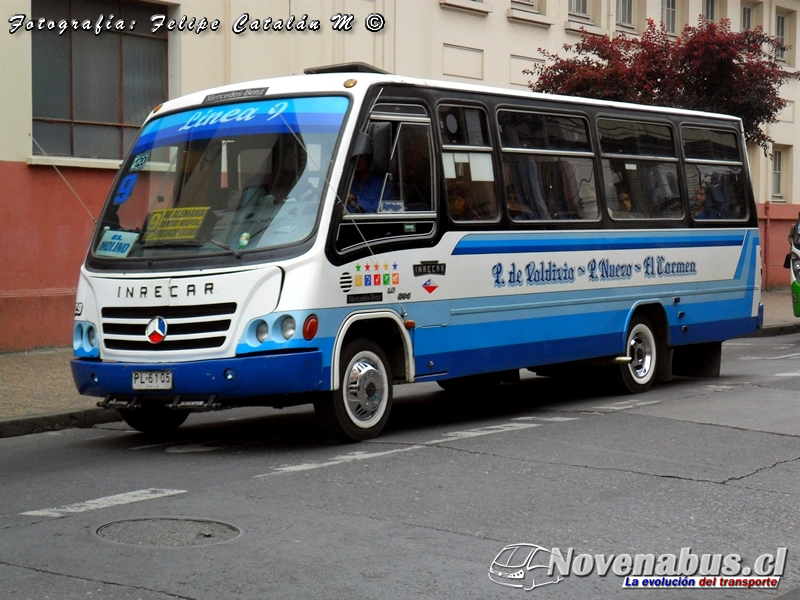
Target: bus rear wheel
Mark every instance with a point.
(360, 408)
(637, 375)
(154, 420)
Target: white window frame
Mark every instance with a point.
(747, 17)
(710, 9)
(625, 13)
(669, 15)
(579, 8)
(777, 173)
(780, 34)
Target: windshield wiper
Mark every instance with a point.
(233, 251)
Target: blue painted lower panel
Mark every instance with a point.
(254, 376)
(715, 331)
(514, 344)
(519, 356)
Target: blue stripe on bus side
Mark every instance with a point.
(495, 308)
(747, 259)
(566, 242)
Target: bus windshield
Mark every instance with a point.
(229, 178)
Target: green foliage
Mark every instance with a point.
(708, 67)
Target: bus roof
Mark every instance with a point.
(333, 82)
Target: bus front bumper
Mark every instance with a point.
(243, 377)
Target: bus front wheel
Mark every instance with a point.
(637, 375)
(154, 420)
(360, 408)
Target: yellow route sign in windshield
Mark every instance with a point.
(172, 224)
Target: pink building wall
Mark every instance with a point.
(44, 233)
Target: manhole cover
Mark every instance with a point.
(168, 532)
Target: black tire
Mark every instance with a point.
(641, 345)
(360, 408)
(154, 420)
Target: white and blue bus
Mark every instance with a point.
(239, 262)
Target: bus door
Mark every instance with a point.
(394, 214)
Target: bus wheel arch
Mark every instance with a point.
(386, 329)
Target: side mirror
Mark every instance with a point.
(381, 134)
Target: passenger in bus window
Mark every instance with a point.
(457, 203)
(365, 191)
(625, 208)
(624, 201)
(700, 210)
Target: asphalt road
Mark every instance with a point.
(257, 504)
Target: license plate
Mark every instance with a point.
(152, 380)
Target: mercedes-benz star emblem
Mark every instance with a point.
(156, 330)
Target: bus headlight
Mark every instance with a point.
(288, 326)
(262, 332)
(85, 341)
(77, 336)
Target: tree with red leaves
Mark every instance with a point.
(708, 67)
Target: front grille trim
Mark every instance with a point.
(169, 312)
(194, 327)
(165, 346)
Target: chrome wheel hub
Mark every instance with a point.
(641, 348)
(366, 391)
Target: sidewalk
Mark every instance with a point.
(37, 393)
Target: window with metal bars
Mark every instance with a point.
(91, 92)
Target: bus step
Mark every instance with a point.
(112, 402)
(196, 405)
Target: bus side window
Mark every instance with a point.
(640, 167)
(720, 188)
(407, 187)
(468, 165)
(410, 171)
(549, 165)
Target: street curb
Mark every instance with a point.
(14, 427)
